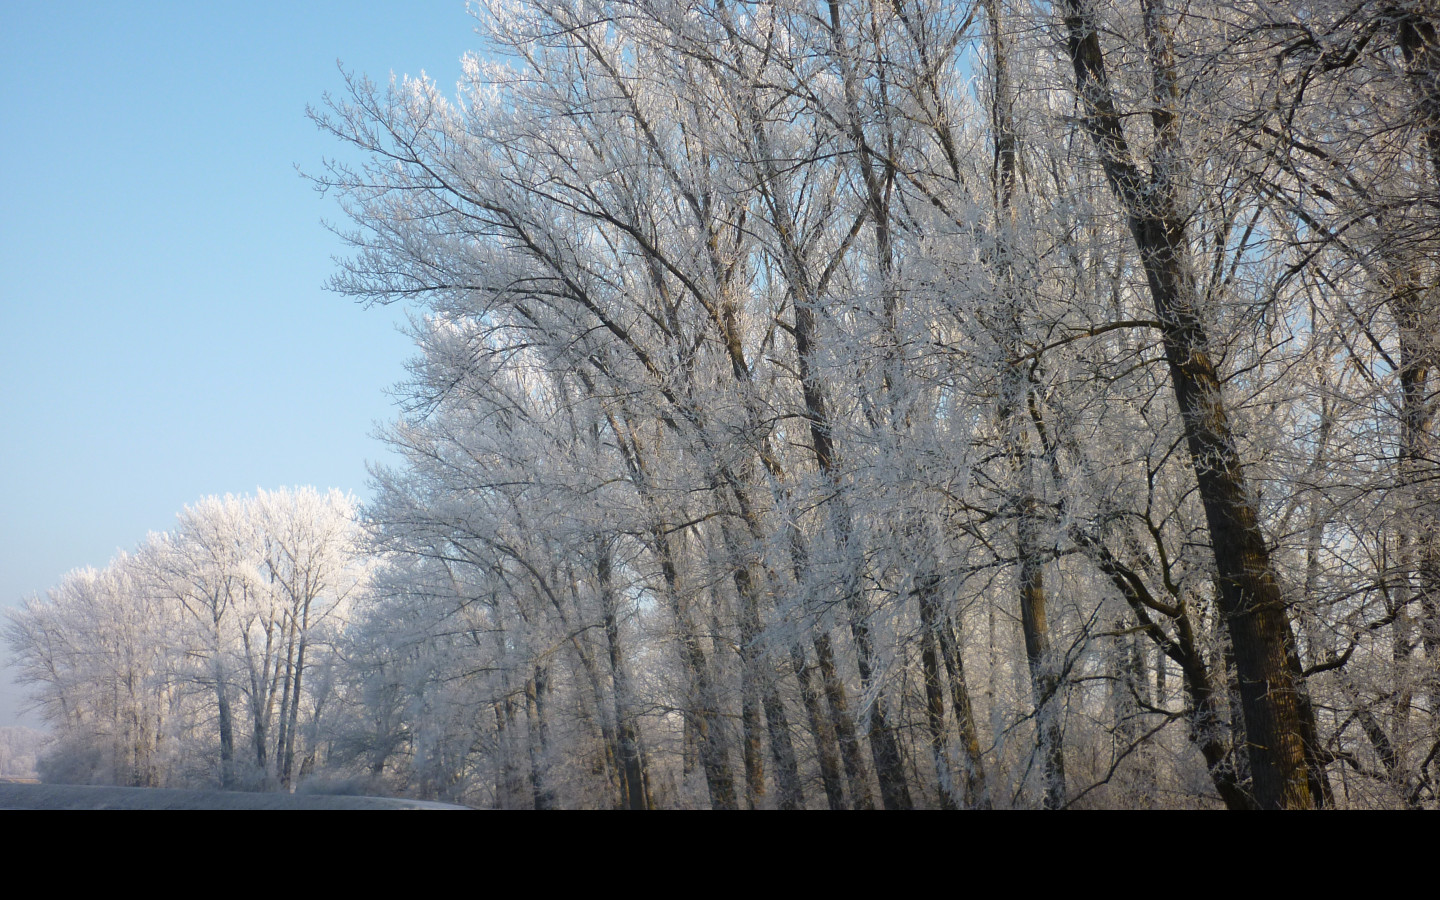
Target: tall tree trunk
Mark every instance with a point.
(782, 748)
(894, 792)
(293, 696)
(977, 788)
(287, 764)
(857, 774)
(1045, 683)
(227, 730)
(760, 695)
(827, 749)
(704, 713)
(889, 764)
(282, 730)
(1418, 315)
(1278, 719)
(505, 776)
(538, 745)
(1416, 307)
(260, 699)
(935, 696)
(631, 768)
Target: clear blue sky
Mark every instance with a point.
(164, 331)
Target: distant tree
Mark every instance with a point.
(20, 747)
(135, 666)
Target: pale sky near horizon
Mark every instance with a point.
(164, 330)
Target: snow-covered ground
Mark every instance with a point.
(57, 796)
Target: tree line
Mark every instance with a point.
(205, 658)
(894, 404)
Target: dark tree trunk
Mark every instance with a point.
(1044, 680)
(539, 738)
(934, 692)
(857, 774)
(227, 732)
(631, 768)
(704, 714)
(1278, 718)
(827, 749)
(977, 789)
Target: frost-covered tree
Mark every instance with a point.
(190, 661)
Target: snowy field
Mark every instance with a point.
(55, 796)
